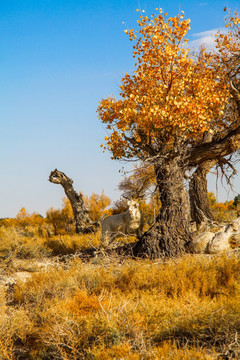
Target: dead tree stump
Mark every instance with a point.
(83, 223)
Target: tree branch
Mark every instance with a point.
(236, 95)
(214, 150)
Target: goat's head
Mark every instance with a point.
(133, 207)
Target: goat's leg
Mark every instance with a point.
(139, 233)
(105, 240)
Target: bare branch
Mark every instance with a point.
(215, 150)
(236, 95)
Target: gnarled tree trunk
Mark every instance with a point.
(82, 220)
(170, 235)
(198, 193)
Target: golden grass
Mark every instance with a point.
(110, 308)
(187, 308)
(16, 242)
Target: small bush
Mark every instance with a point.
(67, 244)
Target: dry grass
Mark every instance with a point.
(181, 309)
(16, 242)
(109, 308)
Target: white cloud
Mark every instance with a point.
(205, 38)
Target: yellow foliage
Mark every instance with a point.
(96, 205)
(62, 220)
(172, 96)
(222, 211)
(24, 220)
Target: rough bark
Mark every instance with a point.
(82, 220)
(203, 157)
(170, 235)
(198, 194)
(215, 150)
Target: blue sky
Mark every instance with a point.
(58, 58)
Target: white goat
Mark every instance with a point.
(127, 223)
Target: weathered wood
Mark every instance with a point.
(82, 220)
(213, 243)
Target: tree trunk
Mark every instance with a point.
(170, 235)
(82, 220)
(198, 194)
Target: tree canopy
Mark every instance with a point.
(173, 97)
(179, 111)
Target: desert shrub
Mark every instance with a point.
(168, 351)
(223, 212)
(178, 309)
(61, 220)
(6, 341)
(96, 205)
(178, 278)
(14, 243)
(70, 244)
